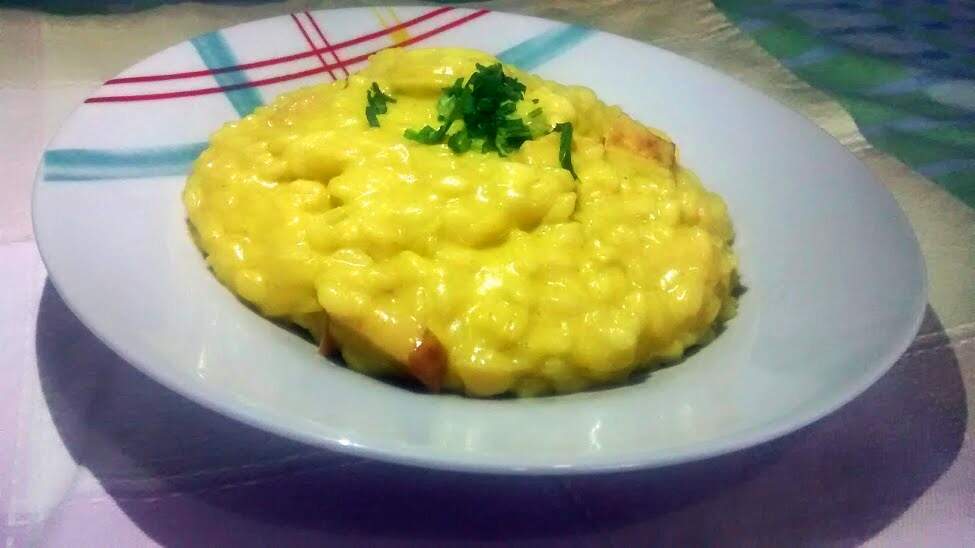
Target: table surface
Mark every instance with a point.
(94, 453)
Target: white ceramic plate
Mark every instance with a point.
(836, 284)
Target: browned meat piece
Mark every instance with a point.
(428, 362)
(418, 350)
(327, 346)
(627, 134)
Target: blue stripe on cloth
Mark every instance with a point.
(907, 85)
(885, 28)
(918, 123)
(818, 5)
(79, 164)
(752, 24)
(831, 19)
(958, 93)
(946, 167)
(887, 44)
(817, 54)
(544, 47)
(216, 53)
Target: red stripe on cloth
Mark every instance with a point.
(321, 35)
(277, 60)
(311, 44)
(285, 77)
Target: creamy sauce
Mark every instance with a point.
(533, 282)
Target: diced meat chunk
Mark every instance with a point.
(428, 362)
(628, 134)
(417, 350)
(327, 346)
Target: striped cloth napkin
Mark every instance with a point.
(905, 70)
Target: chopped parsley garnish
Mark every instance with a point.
(376, 104)
(460, 141)
(565, 147)
(486, 105)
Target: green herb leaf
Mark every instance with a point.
(487, 104)
(537, 126)
(447, 104)
(427, 135)
(376, 102)
(460, 142)
(371, 117)
(565, 147)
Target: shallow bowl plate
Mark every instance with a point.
(836, 283)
